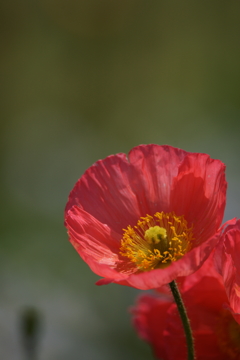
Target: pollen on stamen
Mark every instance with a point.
(156, 241)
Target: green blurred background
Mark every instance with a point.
(81, 80)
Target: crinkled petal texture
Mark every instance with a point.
(214, 329)
(227, 261)
(117, 191)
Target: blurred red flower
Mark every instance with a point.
(227, 261)
(216, 333)
(145, 219)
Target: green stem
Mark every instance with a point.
(184, 318)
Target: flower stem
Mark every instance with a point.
(184, 318)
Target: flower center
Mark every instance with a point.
(156, 241)
(228, 331)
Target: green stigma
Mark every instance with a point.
(155, 234)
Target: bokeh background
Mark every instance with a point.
(81, 80)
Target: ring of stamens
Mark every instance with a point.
(156, 241)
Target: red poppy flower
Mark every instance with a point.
(145, 219)
(226, 256)
(215, 331)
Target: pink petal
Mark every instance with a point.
(227, 257)
(95, 242)
(104, 192)
(199, 193)
(150, 320)
(155, 167)
(118, 192)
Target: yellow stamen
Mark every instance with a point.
(156, 241)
